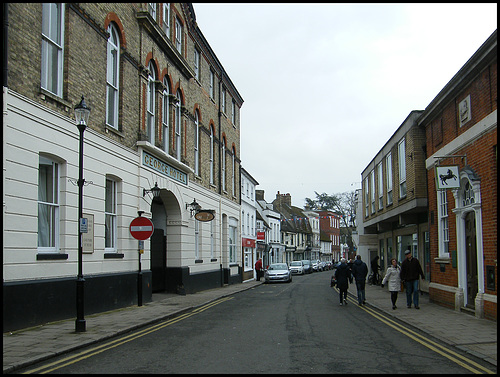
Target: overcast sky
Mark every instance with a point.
(326, 85)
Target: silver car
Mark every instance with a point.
(297, 267)
(278, 272)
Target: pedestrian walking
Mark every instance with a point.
(410, 271)
(392, 277)
(359, 271)
(343, 275)
(258, 268)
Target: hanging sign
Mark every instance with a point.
(204, 215)
(447, 177)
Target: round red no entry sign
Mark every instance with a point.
(141, 228)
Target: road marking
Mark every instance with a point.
(47, 368)
(444, 351)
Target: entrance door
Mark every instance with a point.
(158, 260)
(471, 258)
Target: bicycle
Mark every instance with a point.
(378, 280)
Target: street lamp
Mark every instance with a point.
(82, 112)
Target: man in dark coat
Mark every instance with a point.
(410, 272)
(375, 267)
(360, 270)
(343, 275)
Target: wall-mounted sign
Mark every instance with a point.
(447, 177)
(88, 236)
(205, 215)
(261, 235)
(164, 168)
(247, 242)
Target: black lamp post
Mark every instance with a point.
(82, 112)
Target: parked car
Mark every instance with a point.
(278, 272)
(315, 265)
(322, 266)
(307, 266)
(297, 267)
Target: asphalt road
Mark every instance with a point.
(273, 328)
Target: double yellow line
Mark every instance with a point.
(463, 361)
(47, 368)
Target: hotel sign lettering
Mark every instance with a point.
(163, 168)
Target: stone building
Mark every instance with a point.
(461, 137)
(164, 113)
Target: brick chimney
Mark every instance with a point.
(285, 198)
(259, 195)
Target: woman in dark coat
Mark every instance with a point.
(343, 275)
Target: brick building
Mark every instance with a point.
(394, 197)
(163, 112)
(461, 137)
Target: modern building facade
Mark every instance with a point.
(163, 113)
(460, 125)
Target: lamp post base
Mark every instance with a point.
(80, 325)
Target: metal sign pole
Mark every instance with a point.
(139, 276)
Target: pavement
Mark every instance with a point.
(25, 347)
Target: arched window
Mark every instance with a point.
(467, 194)
(211, 155)
(223, 164)
(196, 143)
(233, 178)
(178, 138)
(165, 116)
(112, 77)
(151, 104)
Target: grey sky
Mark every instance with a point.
(326, 85)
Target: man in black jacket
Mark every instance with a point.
(343, 275)
(360, 270)
(410, 271)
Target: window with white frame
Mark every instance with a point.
(224, 164)
(196, 64)
(367, 198)
(380, 186)
(444, 235)
(166, 19)
(372, 190)
(48, 205)
(110, 215)
(232, 243)
(233, 178)
(402, 168)
(152, 10)
(211, 84)
(178, 140)
(151, 104)
(52, 47)
(196, 143)
(233, 113)
(112, 77)
(212, 238)
(178, 35)
(196, 239)
(165, 119)
(242, 222)
(212, 150)
(388, 170)
(248, 223)
(223, 101)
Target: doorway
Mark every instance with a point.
(158, 246)
(471, 259)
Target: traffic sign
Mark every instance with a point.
(141, 228)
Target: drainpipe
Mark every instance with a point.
(5, 43)
(220, 183)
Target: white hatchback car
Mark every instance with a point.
(297, 267)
